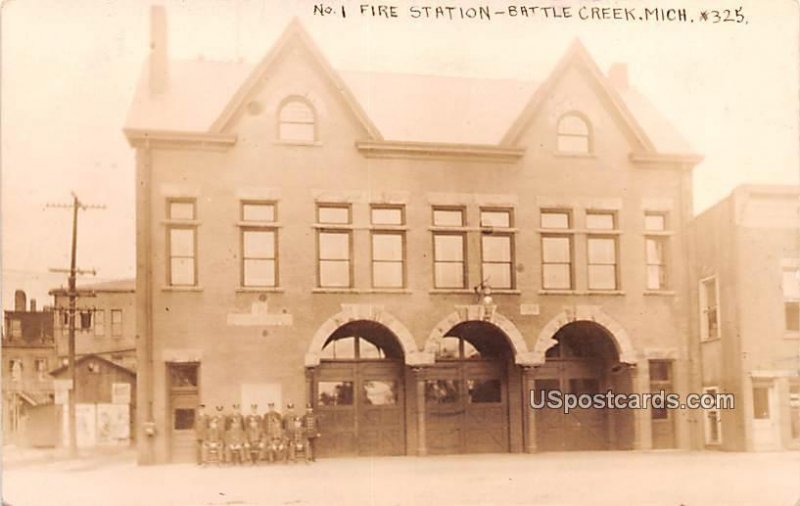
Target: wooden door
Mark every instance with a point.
(184, 397)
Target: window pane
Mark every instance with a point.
(116, 316)
(329, 214)
(655, 277)
(496, 219)
(498, 275)
(258, 244)
(655, 222)
(554, 220)
(556, 249)
(448, 247)
(791, 284)
(655, 251)
(334, 246)
(303, 132)
(387, 274)
(335, 393)
(792, 312)
(334, 273)
(181, 210)
(448, 348)
(556, 276)
(183, 376)
(387, 247)
(183, 419)
(710, 288)
(573, 144)
(760, 403)
(368, 350)
(602, 251)
(380, 393)
(571, 124)
(343, 348)
(259, 273)
(448, 217)
(481, 390)
(441, 391)
(387, 216)
(600, 221)
(602, 277)
(297, 112)
(258, 212)
(182, 271)
(100, 322)
(496, 248)
(181, 242)
(449, 275)
(659, 370)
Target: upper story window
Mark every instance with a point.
(41, 369)
(656, 242)
(601, 250)
(15, 366)
(116, 322)
(709, 309)
(574, 135)
(497, 248)
(334, 245)
(449, 248)
(297, 121)
(388, 247)
(791, 299)
(259, 238)
(182, 242)
(100, 322)
(557, 235)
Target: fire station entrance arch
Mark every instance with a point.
(466, 391)
(358, 391)
(585, 360)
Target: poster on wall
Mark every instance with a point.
(85, 423)
(113, 424)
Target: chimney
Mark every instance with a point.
(618, 75)
(159, 64)
(33, 305)
(20, 301)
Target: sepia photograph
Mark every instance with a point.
(465, 252)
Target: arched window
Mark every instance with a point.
(297, 121)
(574, 135)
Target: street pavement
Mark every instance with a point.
(669, 478)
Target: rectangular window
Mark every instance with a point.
(182, 243)
(100, 322)
(555, 219)
(601, 251)
(334, 246)
(482, 391)
(14, 328)
(449, 249)
(713, 421)
(655, 251)
(335, 393)
(761, 403)
(660, 380)
(259, 237)
(791, 297)
(497, 248)
(116, 322)
(183, 376)
(380, 392)
(556, 250)
(15, 366)
(709, 310)
(388, 247)
(41, 369)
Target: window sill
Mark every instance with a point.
(710, 340)
(185, 223)
(297, 143)
(506, 291)
(362, 290)
(450, 291)
(563, 154)
(558, 292)
(582, 292)
(259, 289)
(669, 293)
(602, 292)
(258, 224)
(181, 288)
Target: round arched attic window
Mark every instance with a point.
(297, 121)
(574, 134)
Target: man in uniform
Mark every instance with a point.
(254, 441)
(293, 426)
(311, 430)
(200, 430)
(234, 436)
(273, 429)
(214, 443)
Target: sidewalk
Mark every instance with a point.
(555, 479)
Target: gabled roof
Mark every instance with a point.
(203, 96)
(293, 33)
(92, 356)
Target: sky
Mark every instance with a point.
(68, 72)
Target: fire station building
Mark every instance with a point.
(411, 254)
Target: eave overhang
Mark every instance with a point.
(684, 161)
(164, 138)
(439, 151)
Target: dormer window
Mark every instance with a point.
(297, 121)
(574, 135)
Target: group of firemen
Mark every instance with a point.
(237, 439)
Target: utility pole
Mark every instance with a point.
(72, 293)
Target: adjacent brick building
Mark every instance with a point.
(309, 234)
